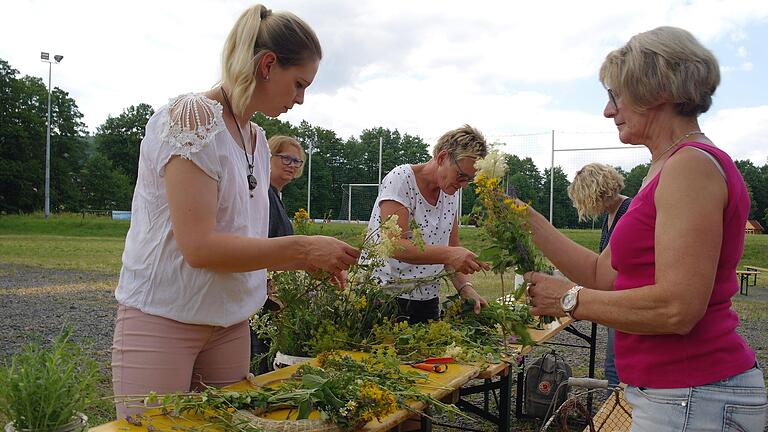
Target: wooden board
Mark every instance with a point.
(439, 386)
(538, 335)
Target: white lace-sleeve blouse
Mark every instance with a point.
(154, 277)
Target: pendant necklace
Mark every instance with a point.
(675, 143)
(252, 183)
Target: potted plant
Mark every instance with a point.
(47, 388)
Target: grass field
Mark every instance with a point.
(95, 244)
(69, 241)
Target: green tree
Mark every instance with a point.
(103, 186)
(524, 180)
(564, 215)
(325, 168)
(272, 126)
(757, 182)
(634, 179)
(119, 138)
(23, 124)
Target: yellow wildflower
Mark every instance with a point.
(362, 303)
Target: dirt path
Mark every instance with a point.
(42, 301)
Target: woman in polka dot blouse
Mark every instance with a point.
(426, 194)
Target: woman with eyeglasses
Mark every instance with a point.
(196, 254)
(427, 195)
(286, 164)
(666, 280)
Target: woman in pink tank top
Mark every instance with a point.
(666, 280)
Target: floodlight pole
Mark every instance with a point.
(309, 180)
(380, 147)
(552, 178)
(44, 56)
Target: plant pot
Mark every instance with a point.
(77, 424)
(283, 360)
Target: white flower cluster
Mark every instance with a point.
(493, 165)
(348, 408)
(389, 238)
(453, 350)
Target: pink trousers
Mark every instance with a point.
(151, 353)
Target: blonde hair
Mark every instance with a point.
(463, 142)
(255, 33)
(663, 64)
(592, 189)
(278, 143)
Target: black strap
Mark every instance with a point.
(252, 183)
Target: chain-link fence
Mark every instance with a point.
(531, 176)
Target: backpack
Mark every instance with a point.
(542, 378)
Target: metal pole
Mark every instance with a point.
(47, 209)
(461, 195)
(309, 179)
(349, 204)
(552, 178)
(380, 147)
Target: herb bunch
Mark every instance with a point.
(318, 316)
(504, 221)
(346, 392)
(44, 387)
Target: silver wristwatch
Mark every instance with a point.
(570, 300)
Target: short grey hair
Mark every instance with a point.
(463, 142)
(663, 64)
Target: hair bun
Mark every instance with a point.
(265, 12)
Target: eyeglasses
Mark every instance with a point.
(290, 160)
(461, 176)
(612, 98)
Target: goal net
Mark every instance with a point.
(357, 201)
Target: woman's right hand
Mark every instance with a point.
(464, 260)
(328, 254)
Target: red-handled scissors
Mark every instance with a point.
(433, 364)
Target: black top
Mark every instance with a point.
(605, 235)
(279, 224)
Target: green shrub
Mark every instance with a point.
(44, 387)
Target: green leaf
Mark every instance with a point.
(305, 408)
(489, 254)
(312, 381)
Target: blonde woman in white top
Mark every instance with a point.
(196, 253)
(427, 194)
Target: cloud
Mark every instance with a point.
(421, 67)
(741, 132)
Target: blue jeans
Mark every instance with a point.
(735, 404)
(610, 365)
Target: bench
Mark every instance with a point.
(756, 269)
(744, 280)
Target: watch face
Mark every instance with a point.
(569, 302)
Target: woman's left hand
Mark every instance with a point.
(468, 292)
(544, 292)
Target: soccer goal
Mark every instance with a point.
(357, 201)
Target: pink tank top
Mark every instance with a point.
(712, 351)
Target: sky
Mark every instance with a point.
(515, 70)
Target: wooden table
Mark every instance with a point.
(450, 381)
(744, 280)
(755, 269)
(503, 384)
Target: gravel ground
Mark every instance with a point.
(42, 301)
